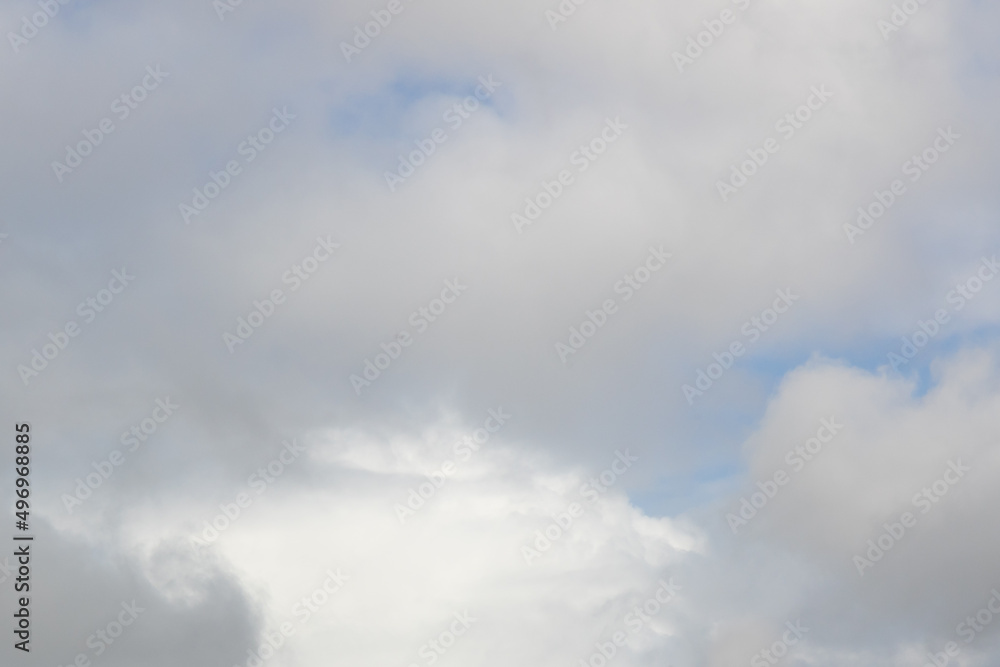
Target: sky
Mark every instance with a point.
(414, 332)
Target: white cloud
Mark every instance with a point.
(666, 516)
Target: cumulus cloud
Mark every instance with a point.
(727, 269)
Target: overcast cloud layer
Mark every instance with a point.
(410, 333)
